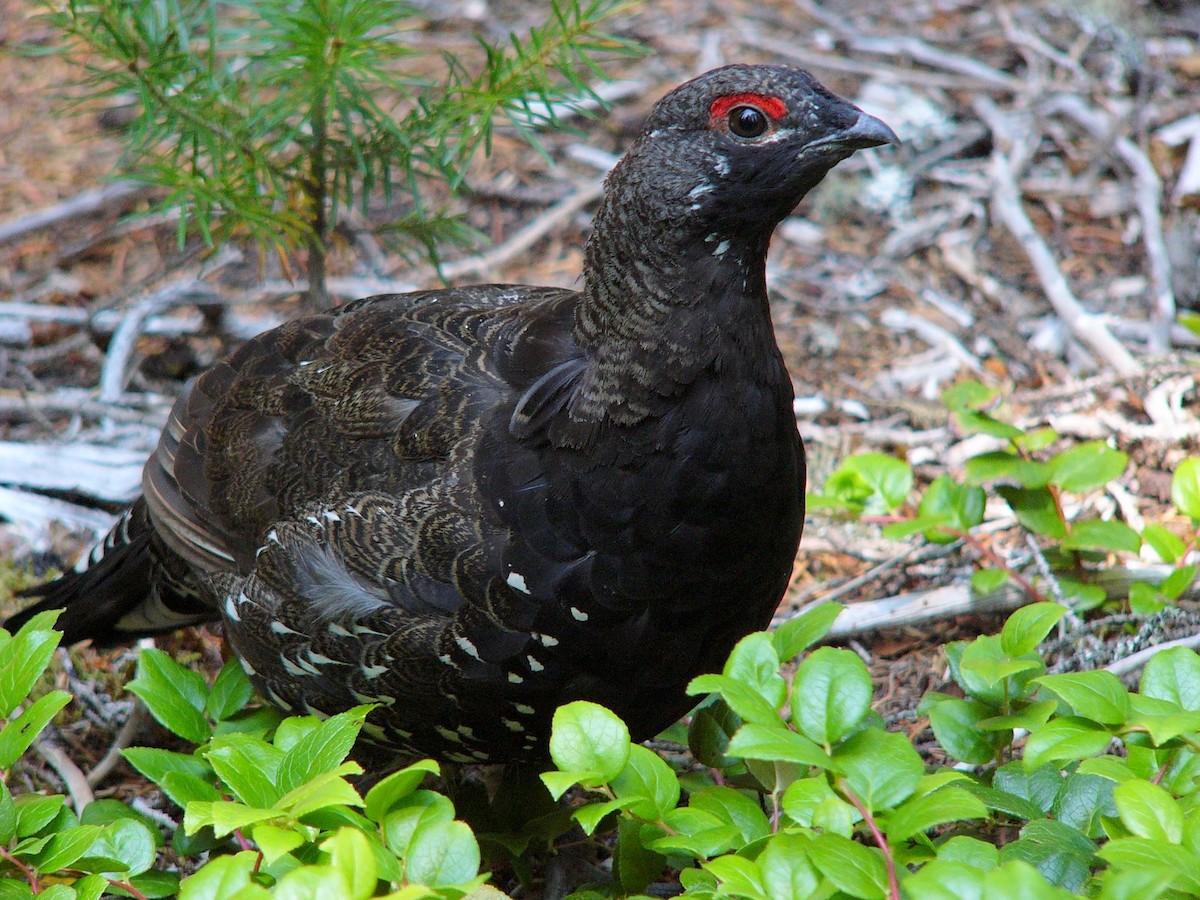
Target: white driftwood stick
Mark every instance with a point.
(93, 470)
(1148, 194)
(959, 599)
(1006, 204)
(36, 513)
(82, 204)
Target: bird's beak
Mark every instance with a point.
(868, 131)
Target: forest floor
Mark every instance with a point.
(905, 272)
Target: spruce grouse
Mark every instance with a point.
(472, 505)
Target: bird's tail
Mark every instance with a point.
(128, 586)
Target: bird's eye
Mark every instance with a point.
(747, 121)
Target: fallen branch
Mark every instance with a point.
(1148, 195)
(1006, 206)
(554, 217)
(72, 776)
(82, 204)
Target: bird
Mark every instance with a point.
(468, 506)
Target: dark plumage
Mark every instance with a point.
(472, 505)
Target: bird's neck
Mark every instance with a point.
(665, 301)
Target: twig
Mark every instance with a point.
(959, 599)
(1135, 661)
(1148, 193)
(933, 334)
(552, 218)
(1006, 206)
(352, 288)
(83, 204)
(71, 774)
(139, 409)
(123, 739)
(115, 371)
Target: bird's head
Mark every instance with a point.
(734, 150)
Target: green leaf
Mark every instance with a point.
(985, 672)
(183, 788)
(1028, 627)
(19, 733)
(230, 692)
(323, 749)
(1185, 488)
(1065, 738)
(955, 724)
(919, 814)
(942, 879)
(850, 866)
(1093, 534)
(1030, 717)
(1086, 467)
(968, 395)
(732, 808)
(223, 816)
(780, 744)
(248, 766)
(156, 763)
(984, 581)
(713, 725)
(1081, 596)
(1041, 786)
(126, 846)
(35, 812)
(1168, 545)
(1148, 811)
(981, 423)
(634, 865)
(831, 694)
(1000, 464)
(1062, 854)
(972, 851)
(222, 878)
(174, 695)
(419, 808)
(785, 869)
(387, 793)
(1084, 802)
(755, 663)
(350, 853)
(1173, 675)
(958, 506)
(589, 742)
(442, 853)
(746, 702)
(275, 840)
(649, 781)
(590, 815)
(696, 832)
(1178, 581)
(1145, 600)
(881, 767)
(23, 659)
(65, 847)
(8, 816)
(324, 789)
(796, 635)
(805, 795)
(738, 877)
(888, 478)
(1136, 853)
(1035, 510)
(1098, 695)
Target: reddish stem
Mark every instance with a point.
(880, 840)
